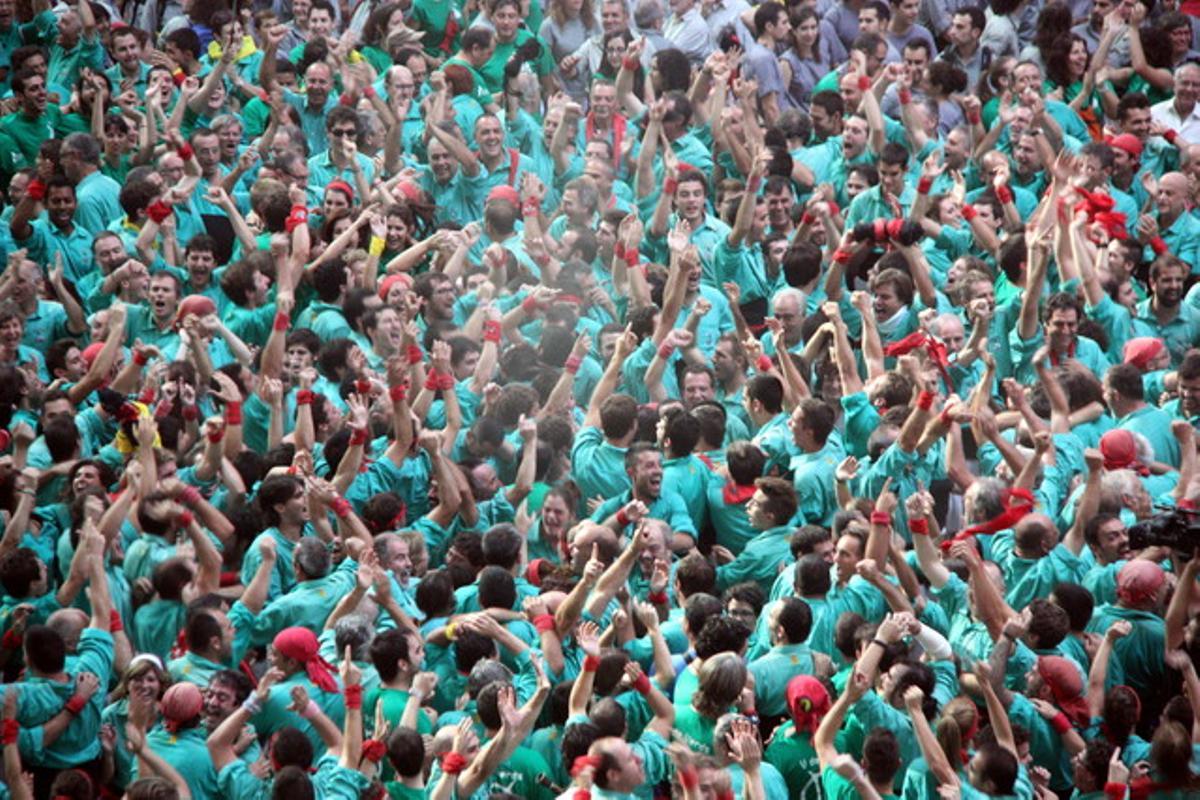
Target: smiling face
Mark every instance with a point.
(646, 474)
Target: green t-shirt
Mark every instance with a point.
(792, 753)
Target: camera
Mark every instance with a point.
(1178, 529)
(904, 231)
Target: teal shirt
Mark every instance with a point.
(1155, 424)
(187, 752)
(1137, 659)
(812, 474)
(275, 714)
(307, 605)
(730, 521)
(759, 561)
(597, 466)
(773, 671)
(775, 440)
(98, 202)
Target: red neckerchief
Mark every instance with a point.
(733, 494)
(708, 462)
(1054, 362)
(618, 131)
(933, 346)
(1017, 503)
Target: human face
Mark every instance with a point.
(689, 200)
(724, 362)
(1026, 76)
(317, 83)
(555, 514)
(961, 33)
(60, 206)
(613, 16)
(125, 51)
(1172, 195)
(1189, 393)
(1026, 155)
(915, 62)
(441, 304)
(1168, 287)
(647, 474)
(1181, 39)
(506, 20)
(779, 207)
(906, 11)
(219, 702)
(34, 96)
(147, 684)
(886, 301)
(801, 434)
(891, 176)
(1113, 541)
(1077, 60)
(827, 551)
(1137, 122)
(855, 185)
(1187, 85)
(441, 162)
(788, 312)
(86, 477)
(697, 388)
(632, 774)
(208, 151)
(848, 89)
(949, 211)
(868, 21)
(57, 408)
(163, 297)
(854, 138)
(335, 203)
(489, 136)
(741, 610)
(297, 359)
(231, 137)
(782, 27)
(7, 10)
(824, 124)
(604, 99)
(389, 329)
(1062, 328)
(320, 22)
(847, 555)
(953, 334)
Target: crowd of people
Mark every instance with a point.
(599, 399)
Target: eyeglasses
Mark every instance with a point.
(346, 132)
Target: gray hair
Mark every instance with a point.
(85, 146)
(485, 671)
(312, 557)
(356, 631)
(648, 14)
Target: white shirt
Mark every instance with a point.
(1188, 127)
(690, 34)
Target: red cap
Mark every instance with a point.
(1127, 142)
(506, 193)
(387, 283)
(1141, 350)
(1139, 581)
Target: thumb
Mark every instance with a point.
(596, 551)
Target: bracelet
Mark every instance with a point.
(630, 64)
(398, 394)
(311, 710)
(491, 331)
(297, 217)
(431, 380)
(354, 693)
(1158, 245)
(453, 763)
(1171, 136)
(28, 492)
(184, 518)
(140, 357)
(35, 190)
(305, 397)
(945, 418)
(591, 663)
(807, 219)
(864, 83)
(529, 305)
(346, 100)
(841, 256)
(415, 355)
(689, 778)
(622, 517)
(665, 350)
(76, 704)
(1004, 194)
(185, 151)
(764, 364)
(377, 246)
(573, 364)
(632, 256)
(619, 250)
(341, 507)
(451, 631)
(642, 684)
(834, 208)
(925, 400)
(189, 496)
(233, 413)
(115, 624)
(919, 526)
(531, 208)
(282, 321)
(178, 76)
(445, 382)
(1060, 723)
(924, 184)
(658, 598)
(369, 92)
(358, 437)
(158, 211)
(975, 118)
(881, 518)
(670, 185)
(968, 211)
(251, 705)
(880, 642)
(9, 730)
(544, 623)
(1115, 791)
(373, 750)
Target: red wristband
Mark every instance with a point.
(665, 350)
(1115, 791)
(881, 518)
(1158, 245)
(115, 625)
(905, 96)
(178, 76)
(544, 623)
(670, 185)
(358, 437)
(919, 526)
(632, 256)
(431, 380)
(630, 64)
(9, 730)
(12, 640)
(764, 364)
(1171, 136)
(1186, 502)
(341, 507)
(217, 437)
(453, 763)
(158, 211)
(622, 518)
(841, 256)
(398, 394)
(619, 250)
(1004, 194)
(530, 208)
(354, 695)
(1060, 723)
(297, 217)
(415, 356)
(184, 518)
(362, 386)
(75, 705)
(975, 118)
(189, 496)
(807, 219)
(185, 151)
(305, 397)
(530, 305)
(591, 663)
(373, 750)
(282, 321)
(968, 211)
(864, 83)
(140, 357)
(924, 184)
(658, 598)
(834, 208)
(573, 364)
(446, 382)
(233, 413)
(190, 413)
(642, 684)
(35, 190)
(491, 331)
(925, 400)
(369, 92)
(689, 778)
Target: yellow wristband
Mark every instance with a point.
(354, 57)
(452, 631)
(377, 246)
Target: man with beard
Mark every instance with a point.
(1187, 405)
(643, 465)
(1174, 230)
(226, 691)
(1163, 315)
(394, 559)
(56, 235)
(436, 293)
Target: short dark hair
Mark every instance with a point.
(387, 649)
(978, 18)
(781, 502)
(45, 649)
(795, 617)
(768, 390)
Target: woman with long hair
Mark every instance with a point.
(722, 679)
(569, 24)
(808, 59)
(145, 677)
(1071, 77)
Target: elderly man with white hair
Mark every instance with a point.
(1180, 113)
(788, 307)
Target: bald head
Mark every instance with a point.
(1173, 193)
(69, 624)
